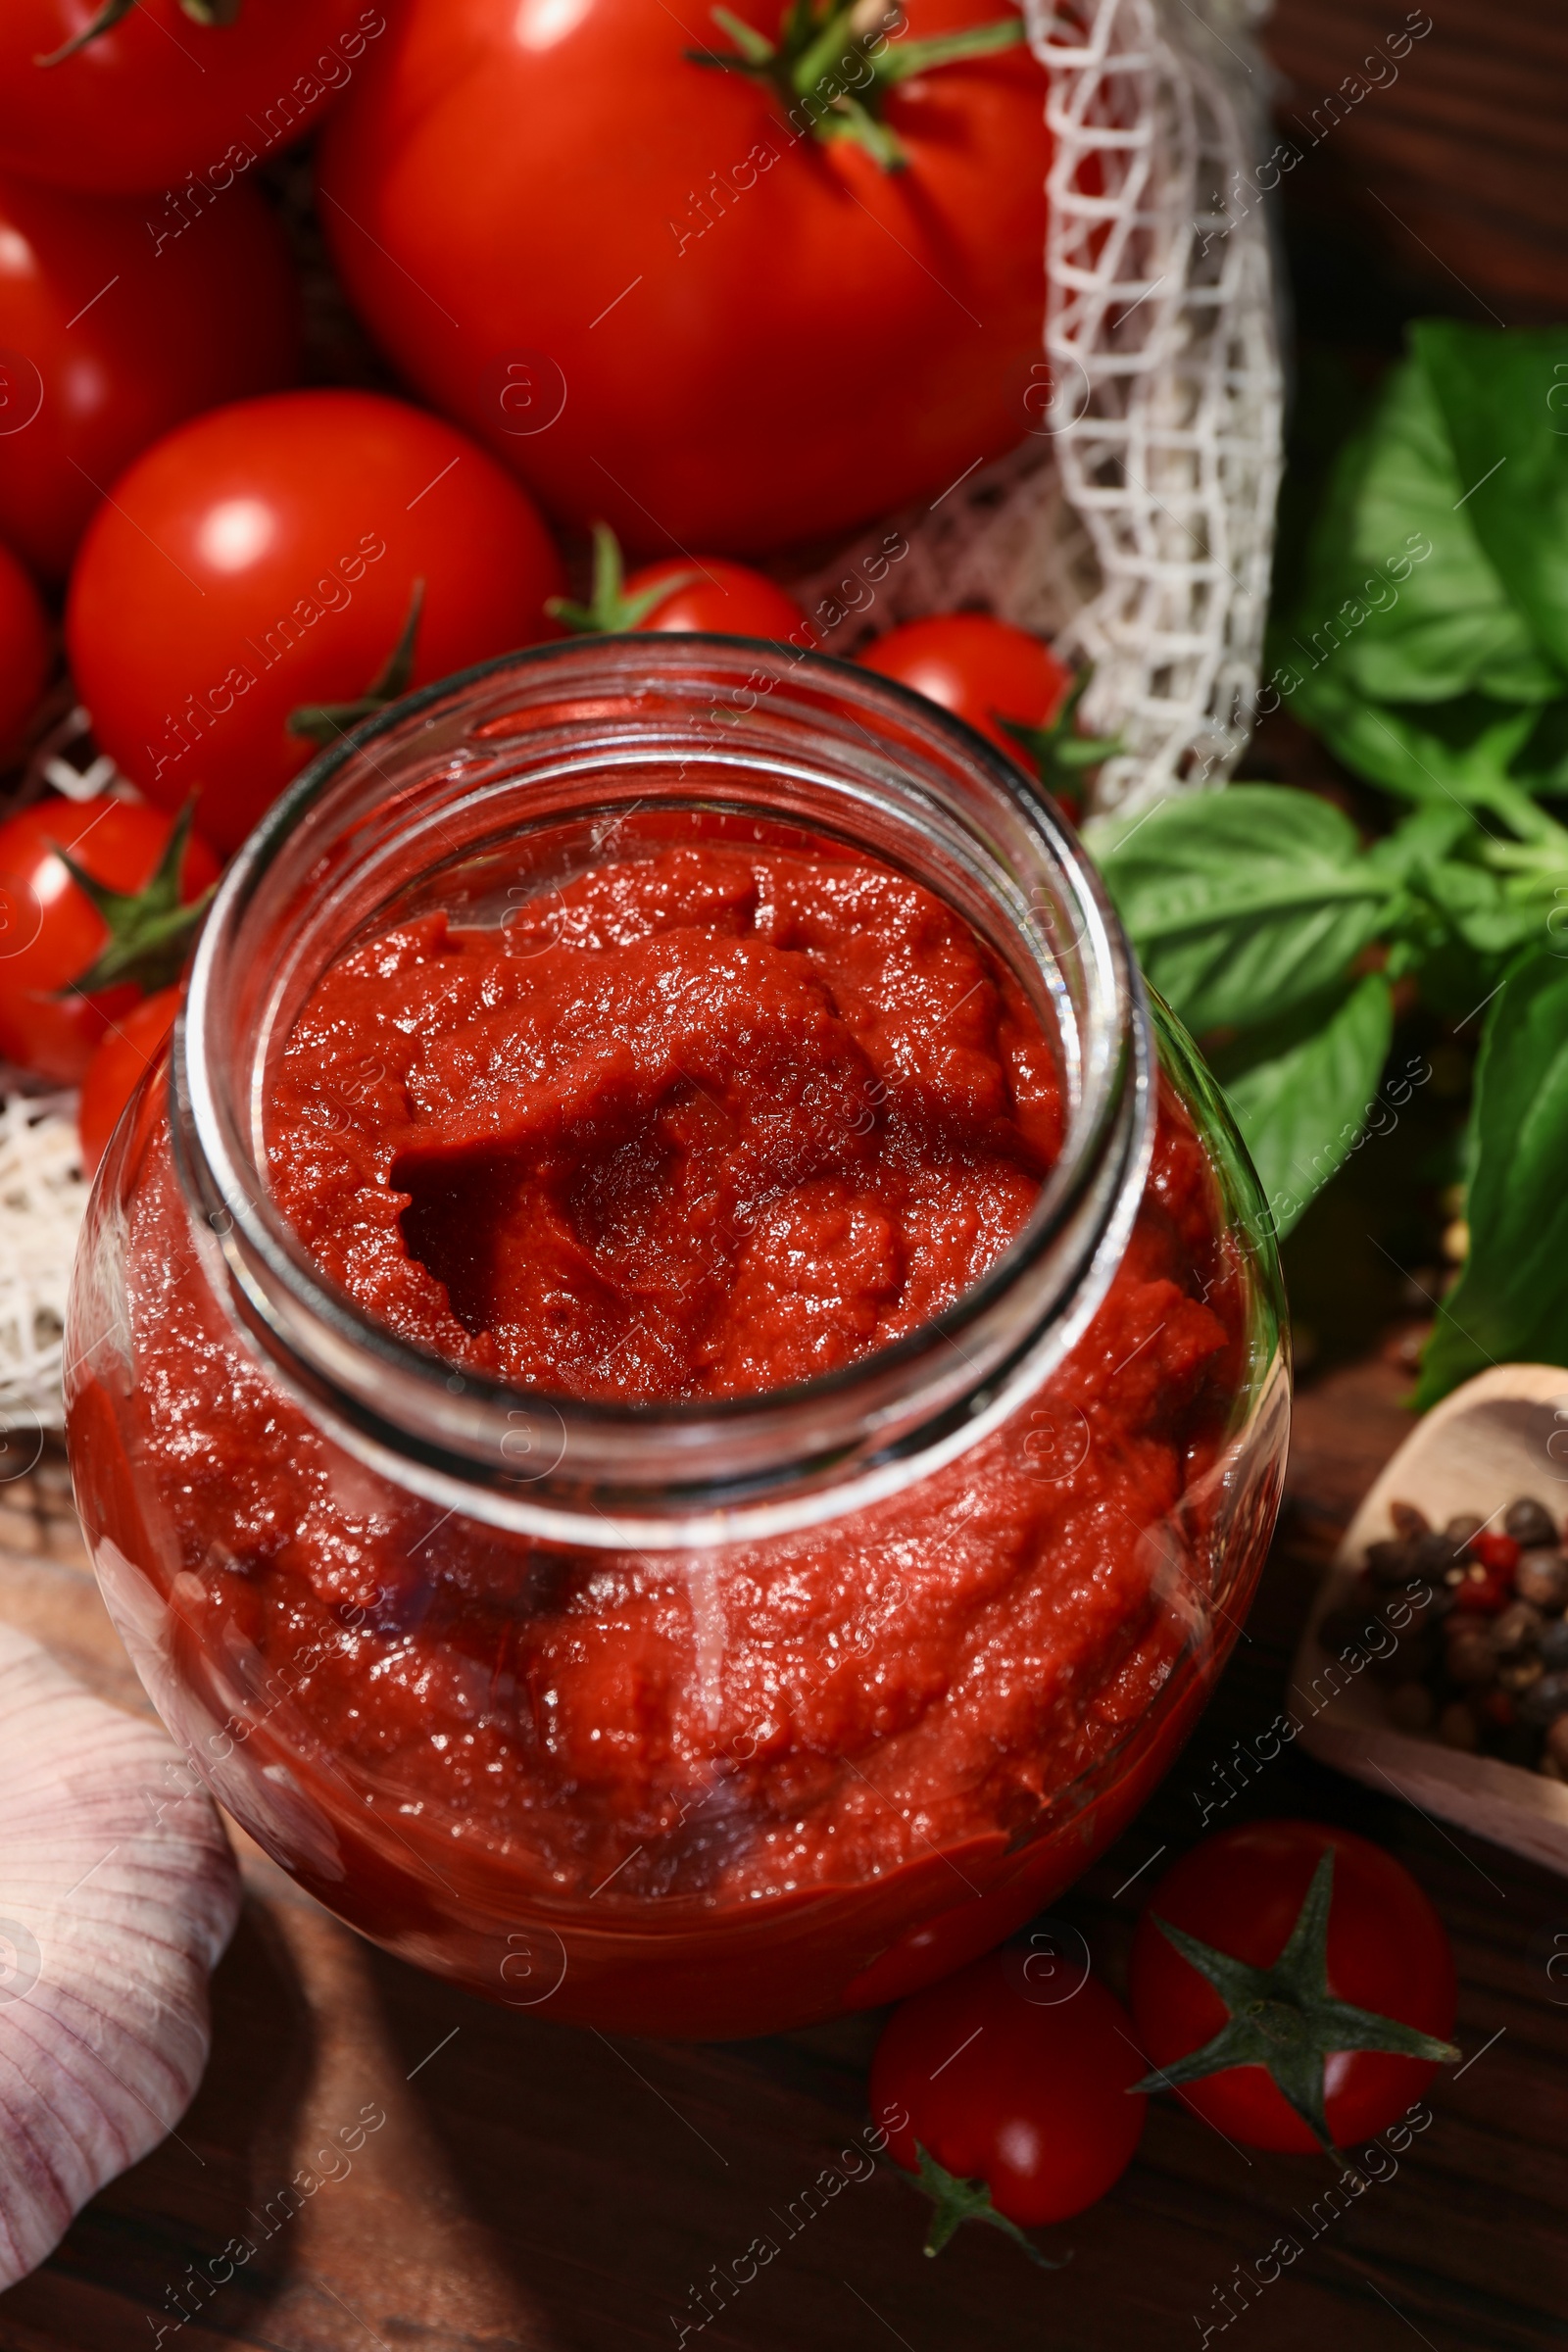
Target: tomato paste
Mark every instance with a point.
(700, 1123)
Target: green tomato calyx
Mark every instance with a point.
(1057, 753)
(835, 61)
(323, 722)
(1285, 2018)
(610, 611)
(200, 12)
(959, 2201)
(150, 930)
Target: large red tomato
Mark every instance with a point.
(267, 557)
(107, 338)
(67, 973)
(664, 302)
(24, 649)
(159, 98)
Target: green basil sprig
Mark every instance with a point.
(1275, 932)
(1511, 1300)
(1244, 903)
(1428, 642)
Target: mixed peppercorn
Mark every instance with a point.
(1476, 1649)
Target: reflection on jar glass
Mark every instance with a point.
(679, 1392)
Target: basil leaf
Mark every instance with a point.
(1401, 602)
(1241, 904)
(1438, 750)
(1511, 1300)
(1481, 911)
(1505, 404)
(1450, 898)
(1542, 764)
(1302, 1100)
(1424, 840)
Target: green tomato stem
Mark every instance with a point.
(200, 12)
(323, 722)
(959, 2201)
(150, 930)
(834, 60)
(1284, 2018)
(611, 611)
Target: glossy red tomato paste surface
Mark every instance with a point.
(700, 1123)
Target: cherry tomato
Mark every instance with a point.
(662, 300)
(24, 649)
(1243, 1896)
(728, 599)
(1031, 2099)
(52, 935)
(702, 592)
(981, 669)
(1006, 684)
(121, 1060)
(265, 559)
(160, 98)
(108, 337)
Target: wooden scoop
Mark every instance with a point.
(1504, 1434)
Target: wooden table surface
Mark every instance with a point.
(1444, 163)
(541, 2188)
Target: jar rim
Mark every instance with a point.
(784, 1458)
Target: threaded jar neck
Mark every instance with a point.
(518, 776)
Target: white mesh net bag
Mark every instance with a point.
(41, 1200)
(42, 1190)
(1132, 527)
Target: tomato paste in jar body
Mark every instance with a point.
(680, 1398)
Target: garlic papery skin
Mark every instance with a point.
(117, 1893)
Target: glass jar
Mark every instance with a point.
(700, 1718)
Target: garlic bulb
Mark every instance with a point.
(117, 1893)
